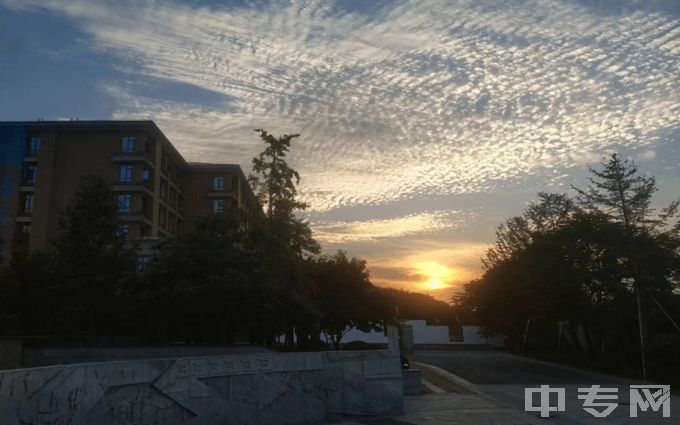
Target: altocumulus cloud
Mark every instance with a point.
(379, 230)
(410, 100)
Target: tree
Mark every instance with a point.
(571, 261)
(204, 285)
(540, 281)
(76, 285)
(91, 258)
(345, 297)
(89, 229)
(275, 184)
(619, 193)
(550, 213)
(284, 238)
(408, 305)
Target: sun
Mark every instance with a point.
(437, 275)
(435, 283)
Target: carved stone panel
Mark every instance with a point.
(291, 388)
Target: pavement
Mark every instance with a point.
(487, 387)
(449, 399)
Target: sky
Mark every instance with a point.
(423, 123)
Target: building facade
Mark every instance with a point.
(159, 193)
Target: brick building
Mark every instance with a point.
(159, 193)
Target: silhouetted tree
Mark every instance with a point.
(621, 194)
(91, 257)
(285, 238)
(552, 211)
(409, 305)
(275, 184)
(345, 297)
(566, 261)
(75, 286)
(204, 286)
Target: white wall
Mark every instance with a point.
(426, 334)
(372, 337)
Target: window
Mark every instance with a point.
(28, 203)
(218, 183)
(30, 174)
(126, 172)
(124, 202)
(34, 146)
(123, 230)
(146, 175)
(143, 262)
(128, 144)
(218, 206)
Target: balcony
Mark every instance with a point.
(134, 186)
(135, 215)
(227, 193)
(133, 157)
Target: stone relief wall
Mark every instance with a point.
(290, 388)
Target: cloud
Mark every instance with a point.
(379, 229)
(410, 264)
(416, 98)
(648, 155)
(410, 102)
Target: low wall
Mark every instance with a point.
(289, 388)
(372, 337)
(429, 334)
(46, 356)
(424, 334)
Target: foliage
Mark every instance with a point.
(408, 305)
(345, 296)
(619, 193)
(230, 278)
(550, 213)
(284, 238)
(275, 184)
(88, 238)
(76, 284)
(577, 262)
(202, 285)
(91, 257)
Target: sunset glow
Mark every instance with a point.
(438, 275)
(423, 124)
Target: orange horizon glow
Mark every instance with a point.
(436, 268)
(438, 275)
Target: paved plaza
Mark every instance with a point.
(487, 387)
